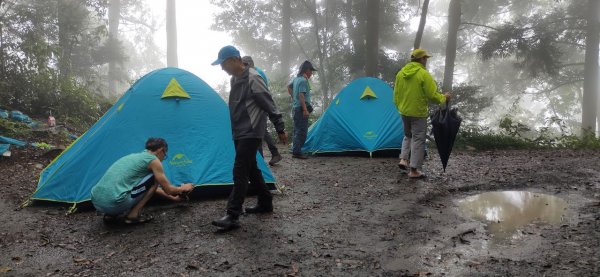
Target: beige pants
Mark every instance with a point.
(413, 145)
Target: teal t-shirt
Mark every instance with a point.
(121, 177)
(300, 84)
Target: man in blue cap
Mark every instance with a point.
(250, 102)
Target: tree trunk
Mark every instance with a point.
(171, 34)
(2, 61)
(65, 31)
(286, 39)
(590, 83)
(356, 35)
(114, 16)
(372, 57)
(421, 24)
(453, 23)
(320, 54)
(331, 23)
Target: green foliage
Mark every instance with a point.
(517, 136)
(534, 48)
(470, 101)
(481, 138)
(14, 129)
(41, 94)
(513, 128)
(52, 55)
(42, 145)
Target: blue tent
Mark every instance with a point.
(362, 117)
(170, 103)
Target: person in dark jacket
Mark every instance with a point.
(250, 102)
(275, 156)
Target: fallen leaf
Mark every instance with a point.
(80, 260)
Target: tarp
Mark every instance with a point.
(4, 148)
(16, 142)
(445, 122)
(170, 103)
(362, 117)
(19, 116)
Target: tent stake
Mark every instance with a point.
(26, 203)
(72, 210)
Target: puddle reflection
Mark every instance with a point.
(507, 211)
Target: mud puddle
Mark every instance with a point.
(506, 212)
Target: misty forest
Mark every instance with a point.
(520, 195)
(521, 70)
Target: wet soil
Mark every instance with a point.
(339, 216)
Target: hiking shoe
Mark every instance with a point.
(227, 222)
(275, 159)
(300, 156)
(141, 219)
(260, 209)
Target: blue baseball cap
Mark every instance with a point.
(226, 53)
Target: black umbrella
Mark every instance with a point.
(445, 122)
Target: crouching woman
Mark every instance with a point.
(131, 181)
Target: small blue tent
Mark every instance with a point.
(362, 117)
(170, 103)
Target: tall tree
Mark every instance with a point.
(590, 83)
(336, 43)
(454, 12)
(172, 59)
(71, 15)
(421, 24)
(372, 43)
(355, 18)
(321, 41)
(114, 17)
(286, 39)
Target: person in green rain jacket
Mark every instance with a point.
(414, 89)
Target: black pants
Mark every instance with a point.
(270, 144)
(245, 169)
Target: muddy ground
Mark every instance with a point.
(339, 216)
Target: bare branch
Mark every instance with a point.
(479, 25)
(570, 64)
(556, 87)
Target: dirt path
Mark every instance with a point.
(340, 216)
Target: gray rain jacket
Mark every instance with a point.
(250, 103)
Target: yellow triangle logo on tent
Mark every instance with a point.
(368, 93)
(174, 89)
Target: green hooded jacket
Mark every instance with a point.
(414, 89)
